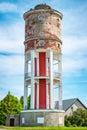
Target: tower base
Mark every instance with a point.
(42, 118)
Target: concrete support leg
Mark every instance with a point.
(37, 64)
(25, 96)
(25, 84)
(32, 79)
(60, 84)
(47, 95)
(37, 96)
(60, 97)
(51, 81)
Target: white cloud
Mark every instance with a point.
(74, 40)
(7, 7)
(12, 65)
(12, 38)
(11, 75)
(74, 54)
(74, 21)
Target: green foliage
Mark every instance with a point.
(22, 100)
(29, 100)
(67, 121)
(79, 118)
(9, 105)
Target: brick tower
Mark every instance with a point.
(43, 66)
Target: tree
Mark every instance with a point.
(29, 101)
(22, 100)
(79, 118)
(9, 105)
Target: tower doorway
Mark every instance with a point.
(12, 122)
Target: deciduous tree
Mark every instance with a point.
(9, 105)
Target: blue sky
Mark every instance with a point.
(74, 36)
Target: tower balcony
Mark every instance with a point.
(56, 75)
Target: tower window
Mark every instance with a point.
(72, 109)
(58, 45)
(57, 19)
(41, 17)
(41, 43)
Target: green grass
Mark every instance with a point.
(42, 128)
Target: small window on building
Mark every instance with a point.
(58, 45)
(72, 109)
(23, 120)
(41, 43)
(41, 17)
(58, 20)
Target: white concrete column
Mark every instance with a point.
(26, 66)
(60, 84)
(38, 96)
(32, 79)
(60, 66)
(25, 96)
(25, 83)
(51, 81)
(60, 97)
(47, 95)
(38, 64)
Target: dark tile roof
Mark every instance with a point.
(67, 103)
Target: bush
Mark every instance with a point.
(79, 118)
(67, 121)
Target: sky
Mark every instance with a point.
(74, 53)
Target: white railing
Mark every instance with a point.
(55, 74)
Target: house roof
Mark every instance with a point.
(68, 103)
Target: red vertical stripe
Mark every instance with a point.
(42, 63)
(42, 82)
(42, 94)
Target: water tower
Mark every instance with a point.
(43, 67)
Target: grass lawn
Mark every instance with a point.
(42, 128)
